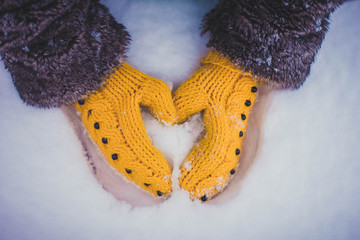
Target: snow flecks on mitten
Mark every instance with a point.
(113, 119)
(226, 94)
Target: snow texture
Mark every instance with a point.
(305, 183)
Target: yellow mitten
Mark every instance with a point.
(113, 119)
(227, 95)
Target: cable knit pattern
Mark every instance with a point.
(226, 94)
(113, 119)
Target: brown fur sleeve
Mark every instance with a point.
(58, 51)
(276, 40)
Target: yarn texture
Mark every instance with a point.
(226, 94)
(113, 119)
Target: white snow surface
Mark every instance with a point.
(305, 183)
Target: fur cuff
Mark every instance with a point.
(59, 51)
(274, 40)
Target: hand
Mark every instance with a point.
(226, 94)
(113, 119)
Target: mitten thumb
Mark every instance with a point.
(156, 95)
(190, 98)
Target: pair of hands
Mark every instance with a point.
(113, 119)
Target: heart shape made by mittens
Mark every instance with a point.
(223, 93)
(175, 142)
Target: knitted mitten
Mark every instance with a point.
(227, 95)
(113, 119)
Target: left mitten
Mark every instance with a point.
(113, 119)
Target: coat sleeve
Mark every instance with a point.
(275, 40)
(59, 51)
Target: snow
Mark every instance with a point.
(304, 185)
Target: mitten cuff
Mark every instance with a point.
(217, 58)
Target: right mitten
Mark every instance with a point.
(226, 94)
